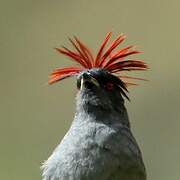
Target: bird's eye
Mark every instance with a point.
(109, 86)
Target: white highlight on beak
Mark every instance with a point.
(82, 81)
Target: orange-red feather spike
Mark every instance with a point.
(114, 61)
(111, 47)
(102, 46)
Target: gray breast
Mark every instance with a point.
(95, 151)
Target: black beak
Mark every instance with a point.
(87, 80)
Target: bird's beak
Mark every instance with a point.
(87, 78)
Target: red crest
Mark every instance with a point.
(114, 61)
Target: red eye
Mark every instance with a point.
(109, 86)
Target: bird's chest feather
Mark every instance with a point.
(89, 150)
(86, 144)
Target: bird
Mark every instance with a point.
(99, 144)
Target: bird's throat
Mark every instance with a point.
(91, 108)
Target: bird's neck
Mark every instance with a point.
(89, 112)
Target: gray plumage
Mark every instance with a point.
(99, 144)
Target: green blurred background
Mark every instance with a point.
(35, 116)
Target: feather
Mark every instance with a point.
(111, 47)
(63, 73)
(114, 61)
(98, 57)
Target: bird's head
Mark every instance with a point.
(99, 88)
(99, 79)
